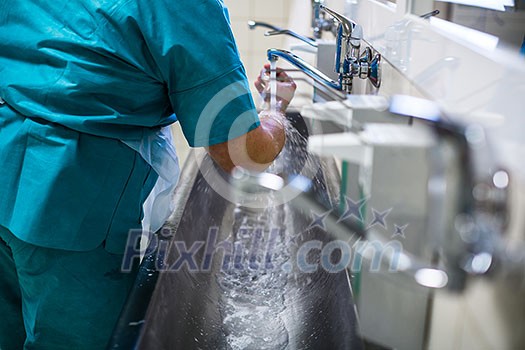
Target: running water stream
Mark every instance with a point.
(273, 86)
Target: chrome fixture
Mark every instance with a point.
(254, 24)
(474, 243)
(349, 34)
(366, 67)
(350, 62)
(369, 67)
(274, 30)
(319, 23)
(471, 242)
(305, 67)
(309, 41)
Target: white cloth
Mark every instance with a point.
(157, 149)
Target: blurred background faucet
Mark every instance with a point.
(254, 24)
(275, 30)
(319, 22)
(309, 41)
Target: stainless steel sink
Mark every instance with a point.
(249, 308)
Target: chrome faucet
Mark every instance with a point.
(349, 33)
(367, 68)
(350, 62)
(319, 23)
(309, 41)
(254, 24)
(274, 30)
(308, 69)
(472, 243)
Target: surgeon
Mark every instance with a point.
(85, 89)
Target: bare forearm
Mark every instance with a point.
(257, 149)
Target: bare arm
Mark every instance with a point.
(257, 149)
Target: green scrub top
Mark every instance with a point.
(78, 76)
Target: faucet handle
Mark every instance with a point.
(370, 66)
(374, 74)
(430, 14)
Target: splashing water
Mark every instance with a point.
(294, 158)
(252, 291)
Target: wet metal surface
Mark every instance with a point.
(243, 286)
(248, 308)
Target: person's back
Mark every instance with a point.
(79, 64)
(113, 69)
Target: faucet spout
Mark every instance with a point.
(305, 39)
(308, 69)
(254, 24)
(319, 22)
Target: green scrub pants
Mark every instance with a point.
(57, 299)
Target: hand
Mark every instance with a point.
(285, 87)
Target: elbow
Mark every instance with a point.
(255, 150)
